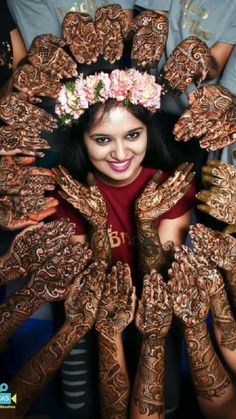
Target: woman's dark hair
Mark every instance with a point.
(160, 152)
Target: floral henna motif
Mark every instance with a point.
(79, 33)
(15, 110)
(150, 31)
(157, 199)
(88, 200)
(21, 211)
(17, 140)
(46, 53)
(220, 174)
(207, 104)
(219, 247)
(153, 320)
(36, 82)
(111, 25)
(115, 312)
(222, 133)
(16, 178)
(33, 246)
(49, 283)
(219, 204)
(190, 61)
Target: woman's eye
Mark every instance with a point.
(133, 135)
(102, 140)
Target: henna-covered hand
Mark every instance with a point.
(219, 247)
(154, 316)
(158, 199)
(207, 104)
(190, 296)
(87, 199)
(150, 31)
(220, 174)
(21, 211)
(219, 203)
(222, 133)
(33, 246)
(46, 53)
(116, 308)
(14, 109)
(111, 24)
(36, 82)
(190, 61)
(17, 178)
(79, 33)
(19, 140)
(84, 297)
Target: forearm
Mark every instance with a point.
(114, 381)
(35, 374)
(100, 244)
(151, 254)
(212, 384)
(148, 395)
(15, 310)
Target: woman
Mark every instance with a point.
(118, 142)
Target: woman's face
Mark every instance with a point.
(116, 146)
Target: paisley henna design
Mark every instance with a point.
(49, 283)
(219, 204)
(33, 246)
(190, 61)
(88, 200)
(222, 133)
(111, 25)
(219, 247)
(158, 199)
(16, 178)
(46, 53)
(153, 320)
(150, 31)
(81, 307)
(36, 82)
(79, 33)
(21, 211)
(207, 104)
(15, 110)
(17, 140)
(115, 312)
(220, 174)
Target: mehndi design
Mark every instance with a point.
(150, 30)
(190, 61)
(18, 140)
(222, 133)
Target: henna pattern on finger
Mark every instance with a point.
(190, 60)
(150, 30)
(218, 173)
(222, 133)
(46, 53)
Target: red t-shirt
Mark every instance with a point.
(121, 220)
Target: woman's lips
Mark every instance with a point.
(120, 166)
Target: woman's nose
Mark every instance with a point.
(119, 152)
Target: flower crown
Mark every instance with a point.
(127, 86)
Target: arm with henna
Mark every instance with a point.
(197, 265)
(212, 384)
(80, 308)
(89, 201)
(221, 249)
(114, 314)
(154, 201)
(153, 320)
(49, 283)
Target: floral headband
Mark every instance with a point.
(127, 86)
